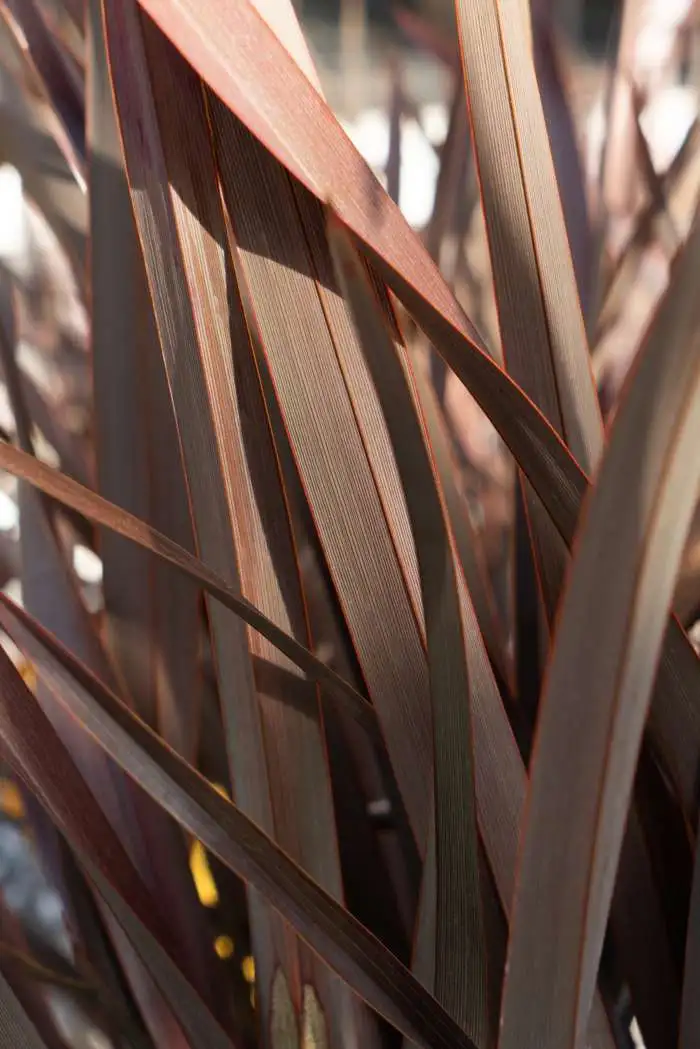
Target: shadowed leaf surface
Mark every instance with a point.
(622, 590)
(330, 930)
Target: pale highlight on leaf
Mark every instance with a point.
(284, 1031)
(282, 20)
(314, 1029)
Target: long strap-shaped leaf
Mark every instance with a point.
(182, 231)
(233, 50)
(152, 615)
(498, 769)
(370, 969)
(201, 388)
(540, 320)
(542, 330)
(597, 696)
(330, 160)
(37, 756)
(226, 43)
(677, 729)
(563, 140)
(50, 592)
(460, 955)
(302, 818)
(561, 485)
(338, 437)
(282, 20)
(468, 541)
(500, 783)
(102, 512)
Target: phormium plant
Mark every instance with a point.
(414, 809)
